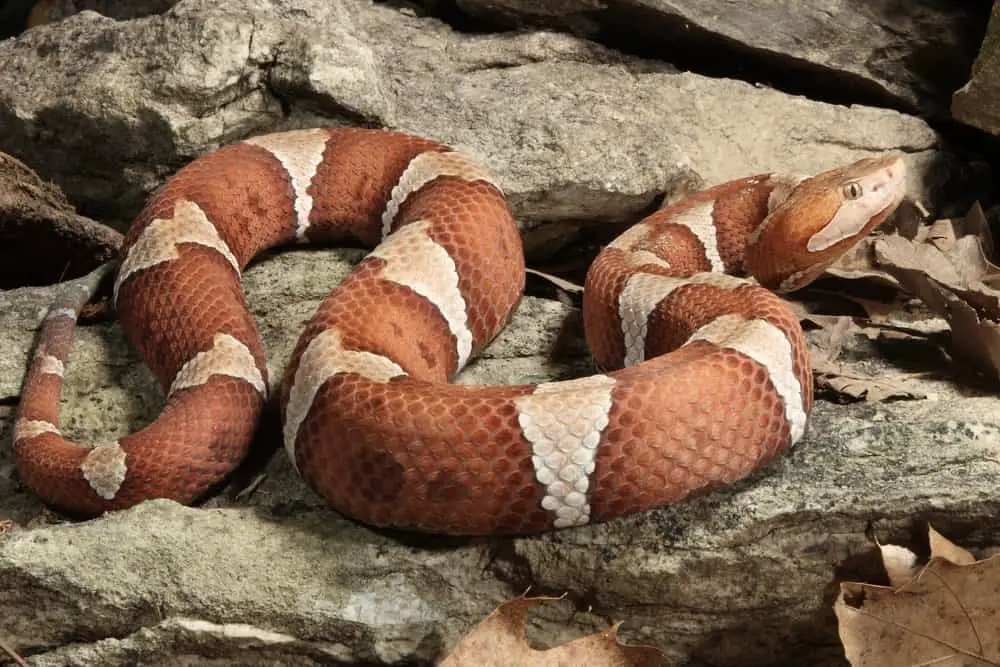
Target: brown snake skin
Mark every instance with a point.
(713, 381)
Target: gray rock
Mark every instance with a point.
(976, 102)
(741, 576)
(843, 50)
(574, 131)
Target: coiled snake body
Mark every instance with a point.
(714, 378)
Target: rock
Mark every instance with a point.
(41, 237)
(109, 391)
(266, 589)
(594, 136)
(976, 102)
(841, 50)
(737, 577)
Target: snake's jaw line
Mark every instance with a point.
(865, 199)
(822, 218)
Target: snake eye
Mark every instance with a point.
(853, 190)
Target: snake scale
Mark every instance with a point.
(707, 374)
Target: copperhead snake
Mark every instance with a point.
(713, 376)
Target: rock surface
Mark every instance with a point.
(976, 102)
(593, 135)
(41, 237)
(742, 576)
(580, 136)
(844, 49)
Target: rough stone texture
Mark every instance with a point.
(577, 134)
(910, 59)
(574, 131)
(743, 576)
(976, 102)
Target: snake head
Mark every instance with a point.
(812, 222)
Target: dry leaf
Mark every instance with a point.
(901, 565)
(952, 262)
(973, 337)
(946, 266)
(942, 547)
(860, 263)
(825, 347)
(833, 336)
(500, 641)
(946, 614)
(879, 311)
(833, 377)
(899, 562)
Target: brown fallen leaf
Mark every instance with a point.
(945, 614)
(946, 265)
(834, 334)
(878, 311)
(939, 252)
(824, 349)
(860, 263)
(975, 337)
(899, 562)
(946, 233)
(500, 640)
(833, 377)
(942, 547)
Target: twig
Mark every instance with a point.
(18, 660)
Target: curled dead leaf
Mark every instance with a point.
(946, 265)
(499, 640)
(855, 387)
(860, 262)
(943, 614)
(900, 563)
(942, 547)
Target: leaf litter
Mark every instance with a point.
(932, 283)
(500, 640)
(941, 613)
